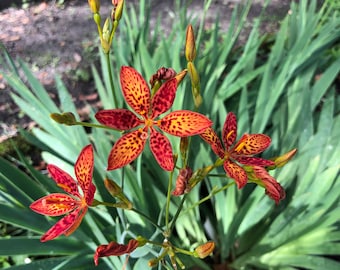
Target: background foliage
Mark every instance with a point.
(283, 85)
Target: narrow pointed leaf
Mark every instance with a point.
(83, 170)
(164, 98)
(135, 90)
(54, 204)
(121, 119)
(63, 180)
(127, 149)
(236, 172)
(252, 144)
(162, 150)
(229, 132)
(184, 123)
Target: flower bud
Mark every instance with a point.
(105, 38)
(118, 9)
(195, 81)
(204, 250)
(97, 18)
(112, 187)
(153, 262)
(94, 5)
(190, 48)
(162, 74)
(182, 181)
(66, 118)
(180, 76)
(282, 160)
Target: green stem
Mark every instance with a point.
(108, 63)
(167, 207)
(179, 209)
(213, 192)
(147, 218)
(183, 251)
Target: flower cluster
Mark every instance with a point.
(149, 118)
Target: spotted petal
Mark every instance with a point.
(184, 123)
(210, 136)
(63, 180)
(229, 132)
(55, 204)
(83, 170)
(273, 189)
(162, 151)
(252, 144)
(121, 119)
(135, 90)
(127, 149)
(164, 98)
(115, 249)
(236, 172)
(64, 225)
(255, 161)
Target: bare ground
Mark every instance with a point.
(61, 39)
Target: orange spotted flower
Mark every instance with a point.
(73, 204)
(240, 153)
(147, 124)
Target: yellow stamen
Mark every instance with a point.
(229, 134)
(239, 147)
(64, 187)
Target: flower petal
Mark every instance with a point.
(184, 123)
(63, 180)
(127, 149)
(255, 161)
(121, 119)
(164, 98)
(182, 181)
(80, 215)
(161, 149)
(273, 189)
(83, 170)
(252, 144)
(64, 225)
(229, 132)
(55, 204)
(115, 249)
(236, 172)
(210, 136)
(135, 90)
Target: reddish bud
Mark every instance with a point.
(204, 250)
(162, 74)
(182, 181)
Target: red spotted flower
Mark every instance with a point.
(241, 153)
(74, 204)
(144, 121)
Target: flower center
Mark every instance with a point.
(148, 122)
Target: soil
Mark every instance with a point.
(59, 37)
